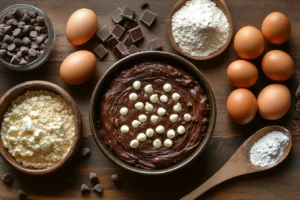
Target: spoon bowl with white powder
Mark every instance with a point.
(265, 149)
(200, 29)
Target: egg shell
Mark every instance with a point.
(276, 28)
(241, 106)
(81, 26)
(78, 67)
(274, 101)
(242, 74)
(278, 65)
(249, 43)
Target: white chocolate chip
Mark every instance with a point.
(124, 111)
(133, 97)
(154, 98)
(181, 129)
(174, 118)
(167, 87)
(160, 129)
(161, 111)
(149, 107)
(175, 96)
(134, 144)
(139, 105)
(168, 143)
(154, 118)
(142, 118)
(171, 133)
(136, 85)
(124, 129)
(141, 137)
(177, 107)
(187, 117)
(163, 98)
(148, 89)
(149, 132)
(136, 123)
(157, 143)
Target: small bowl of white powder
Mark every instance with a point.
(40, 127)
(200, 29)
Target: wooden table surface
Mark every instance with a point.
(281, 182)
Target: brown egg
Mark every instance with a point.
(278, 65)
(241, 106)
(249, 43)
(81, 26)
(78, 67)
(274, 101)
(276, 28)
(242, 74)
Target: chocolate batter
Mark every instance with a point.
(193, 100)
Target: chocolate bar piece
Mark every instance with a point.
(128, 13)
(100, 51)
(120, 50)
(148, 17)
(128, 41)
(155, 44)
(136, 34)
(133, 49)
(103, 34)
(117, 15)
(130, 24)
(144, 4)
(112, 42)
(118, 31)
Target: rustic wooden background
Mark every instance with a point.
(281, 182)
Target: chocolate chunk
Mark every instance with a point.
(22, 195)
(26, 41)
(34, 45)
(15, 60)
(136, 34)
(120, 50)
(103, 34)
(98, 189)
(11, 47)
(6, 29)
(7, 178)
(116, 178)
(3, 53)
(26, 18)
(100, 51)
(130, 24)
(155, 44)
(133, 49)
(144, 4)
(118, 31)
(40, 20)
(32, 52)
(27, 28)
(85, 152)
(33, 34)
(112, 42)
(32, 14)
(93, 178)
(17, 32)
(12, 22)
(148, 17)
(21, 24)
(117, 16)
(7, 39)
(85, 189)
(128, 13)
(16, 13)
(128, 41)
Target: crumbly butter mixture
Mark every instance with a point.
(38, 129)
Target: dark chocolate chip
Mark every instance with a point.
(42, 47)
(12, 22)
(37, 28)
(3, 53)
(4, 46)
(136, 34)
(112, 42)
(26, 18)
(19, 54)
(128, 41)
(34, 45)
(16, 13)
(12, 38)
(85, 189)
(120, 50)
(100, 51)
(133, 49)
(15, 60)
(1, 36)
(24, 11)
(18, 42)
(6, 29)
(128, 13)
(11, 47)
(40, 20)
(7, 39)
(85, 152)
(10, 54)
(98, 189)
(8, 16)
(205, 120)
(27, 58)
(130, 24)
(33, 34)
(17, 32)
(117, 16)
(32, 14)
(24, 49)
(43, 29)
(21, 24)
(27, 28)
(118, 31)
(103, 34)
(33, 22)
(116, 178)
(148, 17)
(22, 195)
(32, 52)
(46, 41)
(23, 61)
(93, 178)
(39, 40)
(155, 44)
(144, 4)
(26, 41)
(7, 178)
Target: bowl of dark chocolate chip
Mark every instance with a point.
(152, 113)
(27, 37)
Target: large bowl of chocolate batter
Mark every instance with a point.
(146, 156)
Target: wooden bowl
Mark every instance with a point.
(18, 90)
(220, 4)
(129, 62)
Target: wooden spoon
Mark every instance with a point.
(239, 163)
(220, 4)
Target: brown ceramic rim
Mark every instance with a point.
(129, 62)
(220, 4)
(21, 89)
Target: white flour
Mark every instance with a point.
(268, 149)
(200, 28)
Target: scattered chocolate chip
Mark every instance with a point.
(26, 18)
(22, 195)
(17, 32)
(103, 34)
(144, 4)
(130, 24)
(33, 34)
(120, 50)
(98, 189)
(7, 178)
(155, 44)
(118, 31)
(32, 14)
(85, 152)
(11, 47)
(117, 16)
(116, 179)
(127, 41)
(100, 51)
(148, 17)
(85, 189)
(40, 20)
(128, 13)
(133, 49)
(136, 34)
(93, 178)
(112, 42)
